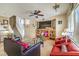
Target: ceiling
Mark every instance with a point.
(24, 9)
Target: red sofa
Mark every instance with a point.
(72, 49)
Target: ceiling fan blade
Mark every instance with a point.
(35, 11)
(38, 11)
(40, 14)
(31, 15)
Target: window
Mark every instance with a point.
(76, 31)
(59, 22)
(20, 25)
(71, 23)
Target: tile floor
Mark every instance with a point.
(2, 52)
(48, 45)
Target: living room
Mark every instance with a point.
(29, 24)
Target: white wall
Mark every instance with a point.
(60, 27)
(30, 30)
(20, 25)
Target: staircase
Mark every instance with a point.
(16, 26)
(16, 32)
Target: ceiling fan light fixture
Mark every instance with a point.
(36, 16)
(36, 13)
(56, 6)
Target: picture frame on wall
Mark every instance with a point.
(59, 22)
(5, 22)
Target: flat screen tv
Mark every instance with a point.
(44, 24)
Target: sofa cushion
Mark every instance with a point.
(56, 49)
(64, 48)
(65, 54)
(25, 45)
(60, 41)
(72, 47)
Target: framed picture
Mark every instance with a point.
(59, 22)
(5, 22)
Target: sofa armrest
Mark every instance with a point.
(72, 53)
(32, 51)
(12, 48)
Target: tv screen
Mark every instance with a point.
(44, 24)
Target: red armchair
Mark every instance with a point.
(72, 49)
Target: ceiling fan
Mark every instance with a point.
(56, 6)
(36, 13)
